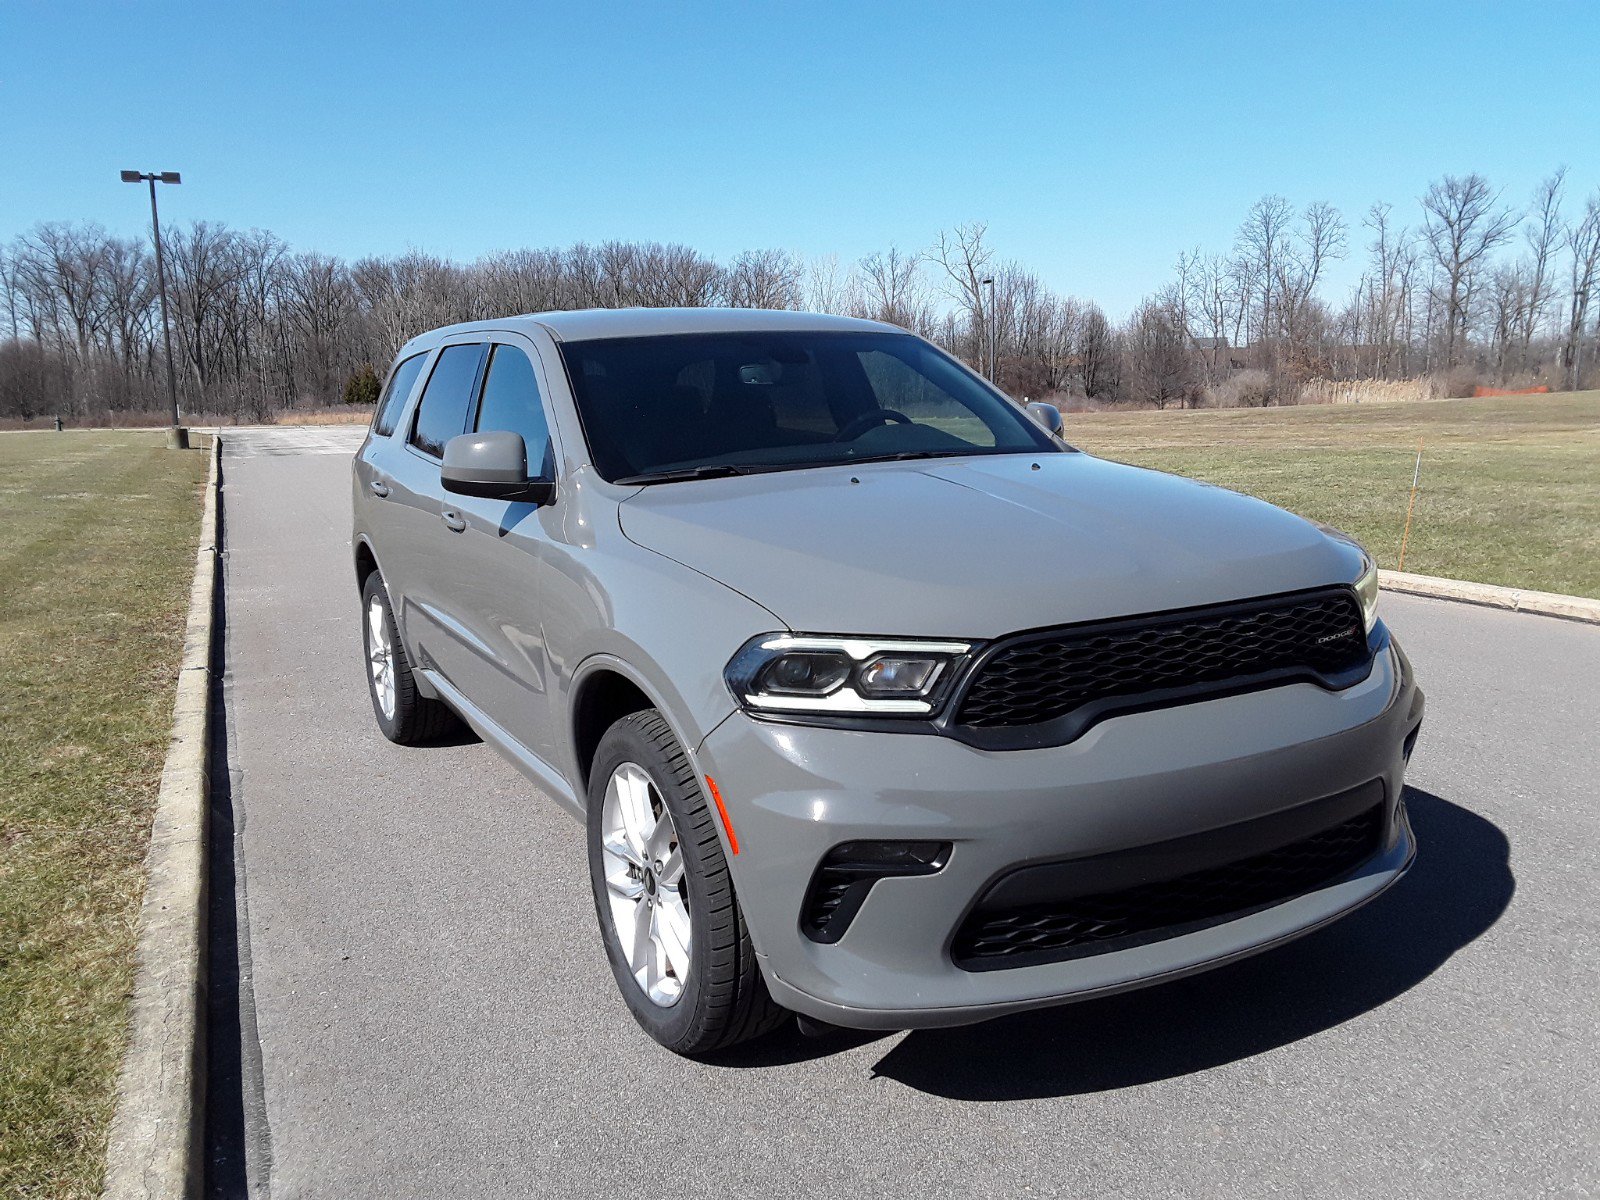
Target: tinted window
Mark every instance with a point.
(442, 411)
(511, 402)
(774, 401)
(901, 387)
(397, 393)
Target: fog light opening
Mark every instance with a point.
(846, 875)
(1410, 743)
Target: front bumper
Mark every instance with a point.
(794, 792)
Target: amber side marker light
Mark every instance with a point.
(722, 811)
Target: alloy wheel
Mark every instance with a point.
(380, 657)
(645, 884)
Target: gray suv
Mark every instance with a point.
(881, 704)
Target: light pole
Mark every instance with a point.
(176, 438)
(989, 330)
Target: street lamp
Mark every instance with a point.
(176, 438)
(989, 332)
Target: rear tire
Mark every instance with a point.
(404, 714)
(696, 999)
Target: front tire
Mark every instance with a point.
(669, 918)
(404, 714)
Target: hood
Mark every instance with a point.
(979, 547)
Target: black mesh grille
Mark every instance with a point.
(1090, 924)
(1043, 677)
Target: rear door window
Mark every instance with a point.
(442, 411)
(510, 402)
(397, 393)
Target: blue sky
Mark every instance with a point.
(1097, 140)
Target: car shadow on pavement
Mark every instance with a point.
(1459, 886)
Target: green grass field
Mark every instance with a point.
(1510, 485)
(97, 539)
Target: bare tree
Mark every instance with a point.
(678, 276)
(64, 266)
(1262, 244)
(318, 299)
(1321, 238)
(1387, 290)
(1583, 244)
(764, 279)
(9, 281)
(889, 287)
(1509, 294)
(1210, 307)
(1095, 348)
(1544, 233)
(130, 297)
(828, 290)
(201, 270)
(966, 259)
(1464, 223)
(1161, 361)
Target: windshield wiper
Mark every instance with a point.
(903, 455)
(708, 471)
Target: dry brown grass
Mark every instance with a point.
(1370, 391)
(324, 416)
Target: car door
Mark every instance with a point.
(496, 560)
(422, 519)
(375, 466)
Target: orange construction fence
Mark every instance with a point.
(1541, 390)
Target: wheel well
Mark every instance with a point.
(366, 564)
(603, 699)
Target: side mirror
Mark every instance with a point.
(494, 465)
(1047, 415)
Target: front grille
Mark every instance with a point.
(1072, 928)
(1115, 665)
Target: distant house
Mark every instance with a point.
(1217, 350)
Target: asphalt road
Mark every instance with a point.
(423, 1008)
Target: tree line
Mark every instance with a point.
(1468, 288)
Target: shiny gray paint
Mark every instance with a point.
(511, 613)
(920, 548)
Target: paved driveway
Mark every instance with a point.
(423, 1008)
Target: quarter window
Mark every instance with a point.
(442, 411)
(511, 402)
(396, 394)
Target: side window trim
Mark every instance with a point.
(470, 409)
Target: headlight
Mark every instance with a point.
(780, 672)
(1367, 591)
(1366, 583)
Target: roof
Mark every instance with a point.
(589, 323)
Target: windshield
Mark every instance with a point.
(695, 405)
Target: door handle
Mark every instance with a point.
(453, 521)
(379, 488)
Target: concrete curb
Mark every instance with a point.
(156, 1134)
(1549, 604)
